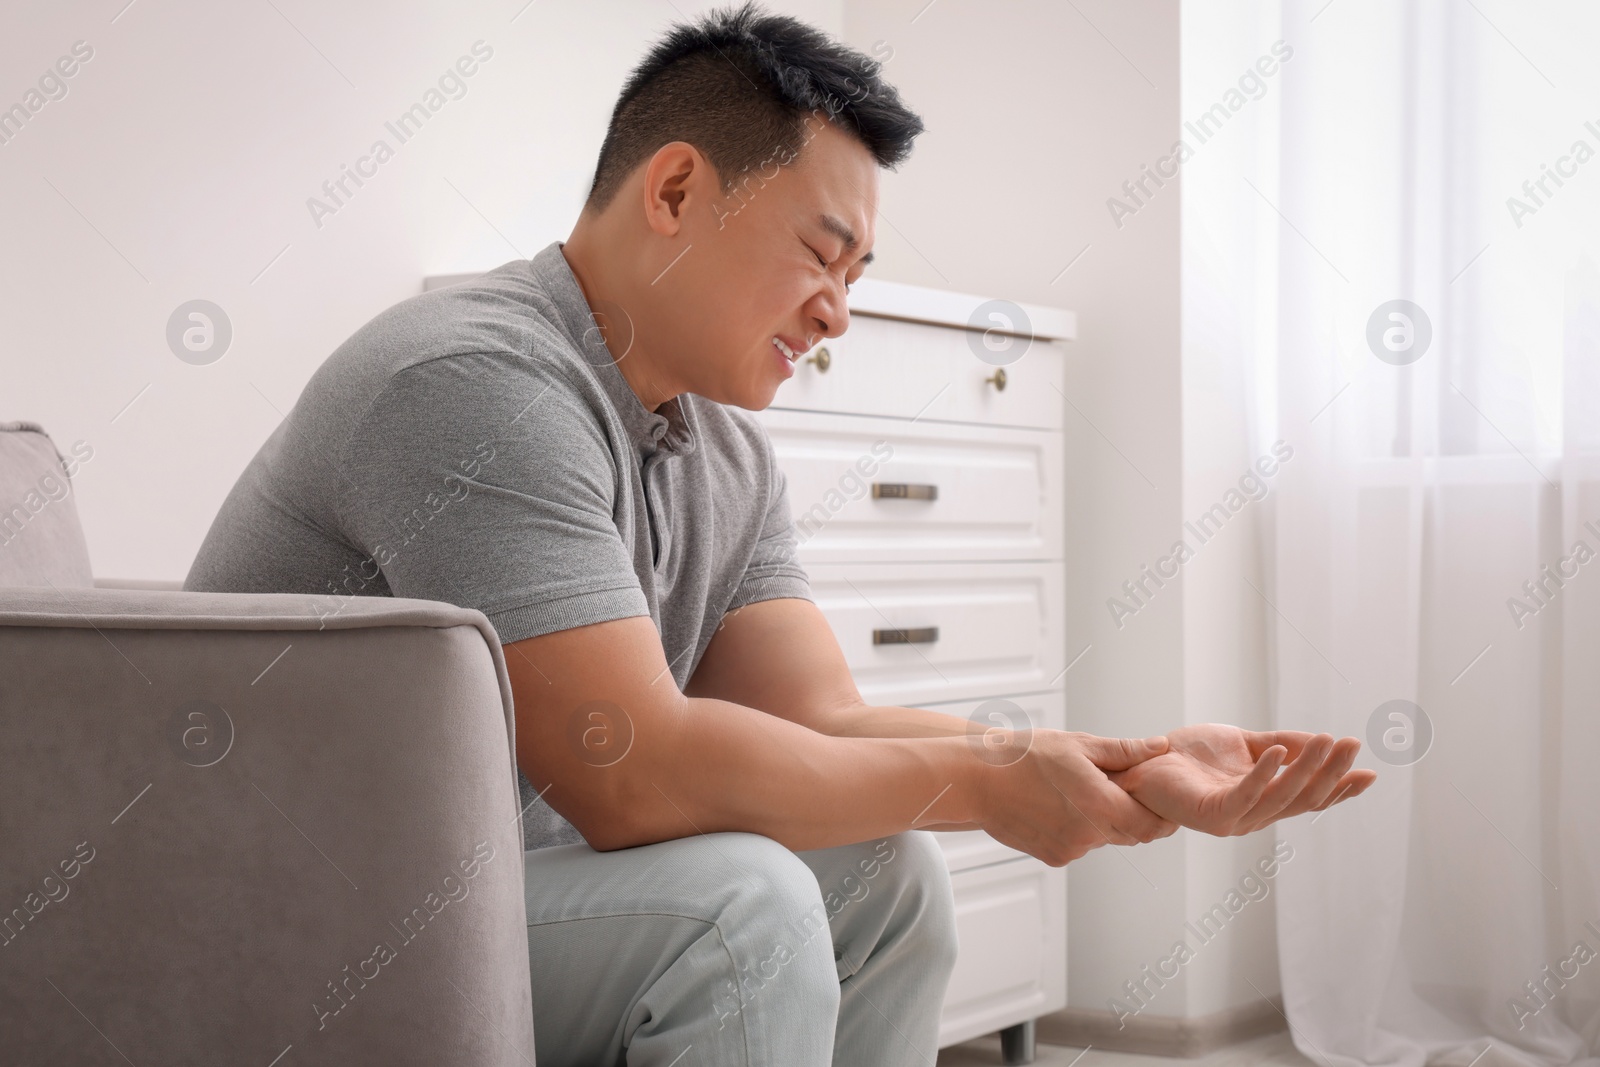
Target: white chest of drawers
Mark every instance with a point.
(927, 494)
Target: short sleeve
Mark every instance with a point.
(494, 490)
(774, 570)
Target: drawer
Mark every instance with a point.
(919, 632)
(906, 369)
(869, 489)
(965, 849)
(1011, 920)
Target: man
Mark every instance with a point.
(726, 846)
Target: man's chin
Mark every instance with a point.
(751, 398)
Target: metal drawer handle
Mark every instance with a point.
(823, 359)
(922, 635)
(904, 491)
(998, 380)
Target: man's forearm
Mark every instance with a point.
(883, 720)
(677, 765)
(714, 766)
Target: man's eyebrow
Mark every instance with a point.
(843, 232)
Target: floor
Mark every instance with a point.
(1273, 1050)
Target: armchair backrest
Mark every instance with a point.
(41, 542)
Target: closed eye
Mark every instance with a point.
(822, 262)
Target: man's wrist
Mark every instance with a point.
(968, 792)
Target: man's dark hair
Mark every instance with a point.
(739, 84)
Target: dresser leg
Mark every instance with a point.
(1017, 1043)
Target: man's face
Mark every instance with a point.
(769, 260)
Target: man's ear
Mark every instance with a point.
(676, 176)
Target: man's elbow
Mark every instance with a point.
(610, 832)
(620, 819)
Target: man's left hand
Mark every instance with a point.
(1225, 781)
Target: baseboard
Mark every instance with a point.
(1162, 1035)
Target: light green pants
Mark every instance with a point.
(728, 949)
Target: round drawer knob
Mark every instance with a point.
(823, 359)
(998, 380)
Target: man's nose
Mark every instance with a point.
(830, 313)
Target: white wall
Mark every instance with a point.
(1224, 432)
(180, 162)
(178, 166)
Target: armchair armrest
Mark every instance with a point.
(234, 823)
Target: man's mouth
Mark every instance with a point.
(788, 353)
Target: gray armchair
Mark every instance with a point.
(243, 828)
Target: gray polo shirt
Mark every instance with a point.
(478, 445)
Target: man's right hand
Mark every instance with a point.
(1056, 802)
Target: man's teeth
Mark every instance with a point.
(788, 353)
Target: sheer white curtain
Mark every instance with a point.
(1452, 915)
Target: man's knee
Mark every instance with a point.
(774, 923)
(915, 906)
(925, 876)
(936, 899)
(769, 870)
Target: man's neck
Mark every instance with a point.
(606, 303)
